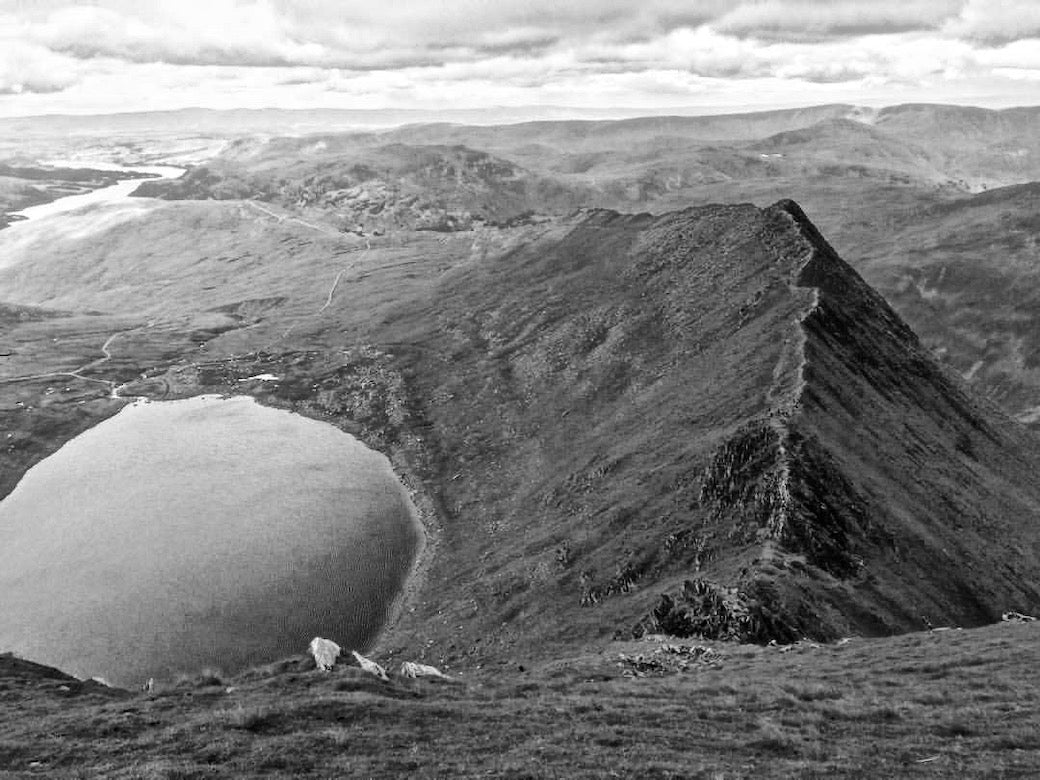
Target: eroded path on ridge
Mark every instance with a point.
(362, 254)
(286, 218)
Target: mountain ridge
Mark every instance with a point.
(831, 539)
(605, 407)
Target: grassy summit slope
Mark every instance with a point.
(925, 705)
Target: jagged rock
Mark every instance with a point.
(706, 610)
(413, 670)
(1017, 617)
(370, 666)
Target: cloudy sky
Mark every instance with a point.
(125, 55)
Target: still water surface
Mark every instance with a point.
(113, 193)
(205, 532)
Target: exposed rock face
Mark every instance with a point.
(864, 488)
(393, 187)
(706, 423)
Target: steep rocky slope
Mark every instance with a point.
(712, 406)
(964, 274)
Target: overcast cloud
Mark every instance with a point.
(112, 55)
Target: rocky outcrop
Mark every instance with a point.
(854, 485)
(390, 188)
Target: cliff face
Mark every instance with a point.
(881, 496)
(703, 422)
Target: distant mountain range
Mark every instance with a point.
(719, 123)
(283, 121)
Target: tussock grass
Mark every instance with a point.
(252, 718)
(775, 739)
(208, 677)
(759, 713)
(814, 692)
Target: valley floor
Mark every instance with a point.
(939, 704)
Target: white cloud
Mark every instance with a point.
(997, 21)
(30, 68)
(1021, 55)
(229, 33)
(338, 34)
(814, 19)
(135, 53)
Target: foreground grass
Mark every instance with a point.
(936, 704)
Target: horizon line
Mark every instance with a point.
(629, 112)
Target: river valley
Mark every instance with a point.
(111, 194)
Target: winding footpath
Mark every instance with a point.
(78, 372)
(106, 353)
(328, 298)
(121, 190)
(283, 218)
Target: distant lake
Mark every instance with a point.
(205, 532)
(104, 195)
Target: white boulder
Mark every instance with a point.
(325, 653)
(413, 670)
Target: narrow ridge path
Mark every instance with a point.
(328, 298)
(285, 218)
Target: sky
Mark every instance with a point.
(106, 56)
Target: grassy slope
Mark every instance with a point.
(964, 272)
(925, 705)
